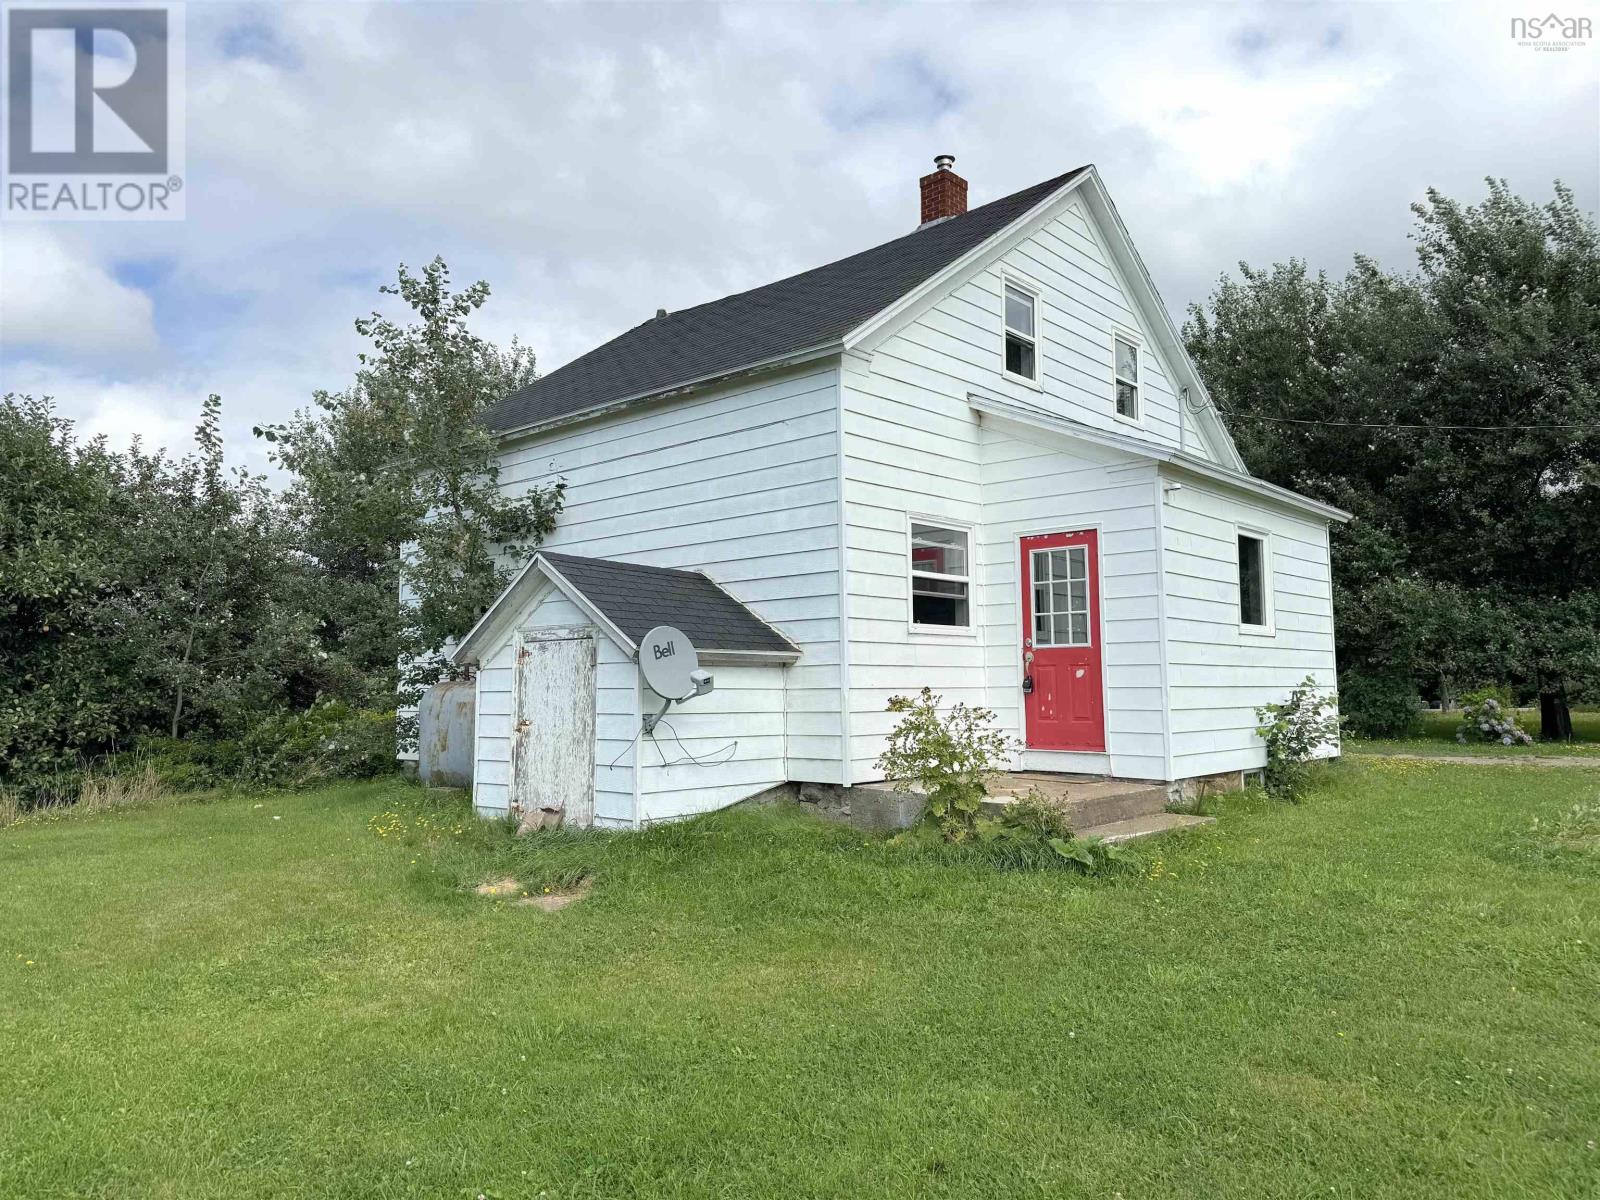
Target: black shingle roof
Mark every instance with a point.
(637, 598)
(812, 309)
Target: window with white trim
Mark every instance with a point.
(1255, 583)
(941, 577)
(1022, 337)
(1126, 376)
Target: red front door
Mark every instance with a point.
(1063, 704)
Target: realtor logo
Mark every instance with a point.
(1552, 32)
(93, 128)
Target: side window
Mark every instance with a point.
(1255, 584)
(941, 577)
(1126, 377)
(1022, 337)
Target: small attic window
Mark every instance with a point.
(1022, 339)
(1126, 374)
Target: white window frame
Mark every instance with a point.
(970, 629)
(1268, 609)
(1137, 342)
(1035, 293)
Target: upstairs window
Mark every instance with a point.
(941, 577)
(1254, 584)
(1127, 377)
(1022, 339)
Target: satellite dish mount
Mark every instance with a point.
(671, 668)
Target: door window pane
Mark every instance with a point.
(1061, 593)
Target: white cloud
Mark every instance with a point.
(54, 295)
(598, 162)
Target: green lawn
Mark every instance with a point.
(1438, 736)
(1388, 991)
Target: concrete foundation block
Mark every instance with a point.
(876, 810)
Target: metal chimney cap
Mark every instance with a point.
(944, 162)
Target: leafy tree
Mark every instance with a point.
(58, 692)
(138, 594)
(207, 610)
(396, 489)
(1357, 392)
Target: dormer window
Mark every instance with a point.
(1022, 338)
(1126, 377)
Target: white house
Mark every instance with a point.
(975, 458)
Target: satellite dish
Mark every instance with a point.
(668, 659)
(671, 669)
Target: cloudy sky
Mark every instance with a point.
(595, 162)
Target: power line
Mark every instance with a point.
(1228, 412)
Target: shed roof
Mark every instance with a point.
(636, 598)
(808, 311)
(629, 600)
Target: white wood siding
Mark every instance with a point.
(737, 732)
(1219, 674)
(914, 445)
(740, 482)
(1031, 487)
(615, 718)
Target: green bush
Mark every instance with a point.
(1490, 721)
(1031, 833)
(1499, 693)
(1295, 732)
(1379, 706)
(330, 740)
(948, 759)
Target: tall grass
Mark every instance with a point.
(98, 791)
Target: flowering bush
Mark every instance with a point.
(1491, 721)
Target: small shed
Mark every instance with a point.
(561, 702)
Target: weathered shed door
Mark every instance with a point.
(552, 733)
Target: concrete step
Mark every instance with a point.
(1145, 826)
(1088, 803)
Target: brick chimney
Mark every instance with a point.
(944, 193)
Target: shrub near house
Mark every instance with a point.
(1489, 720)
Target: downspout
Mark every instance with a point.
(845, 760)
(1161, 624)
